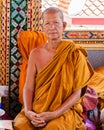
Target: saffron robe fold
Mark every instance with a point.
(66, 73)
(27, 40)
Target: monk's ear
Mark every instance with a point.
(41, 24)
(41, 27)
(64, 24)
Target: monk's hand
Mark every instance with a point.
(47, 116)
(35, 120)
(30, 114)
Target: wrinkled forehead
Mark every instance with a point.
(52, 13)
(52, 17)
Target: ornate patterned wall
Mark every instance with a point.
(23, 15)
(18, 22)
(4, 45)
(15, 16)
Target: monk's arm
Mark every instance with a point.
(68, 103)
(29, 85)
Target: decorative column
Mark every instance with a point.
(34, 15)
(4, 42)
(24, 15)
(4, 47)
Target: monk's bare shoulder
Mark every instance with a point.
(37, 51)
(37, 54)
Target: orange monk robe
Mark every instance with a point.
(27, 40)
(67, 72)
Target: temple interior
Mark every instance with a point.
(85, 26)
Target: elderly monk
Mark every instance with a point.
(57, 75)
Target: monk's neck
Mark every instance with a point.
(52, 44)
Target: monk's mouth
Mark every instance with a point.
(53, 33)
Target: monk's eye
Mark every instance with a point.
(56, 23)
(47, 23)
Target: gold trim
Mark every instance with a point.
(90, 44)
(96, 43)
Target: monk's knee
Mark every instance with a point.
(22, 123)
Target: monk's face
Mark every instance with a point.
(53, 25)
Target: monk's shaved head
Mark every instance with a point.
(53, 10)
